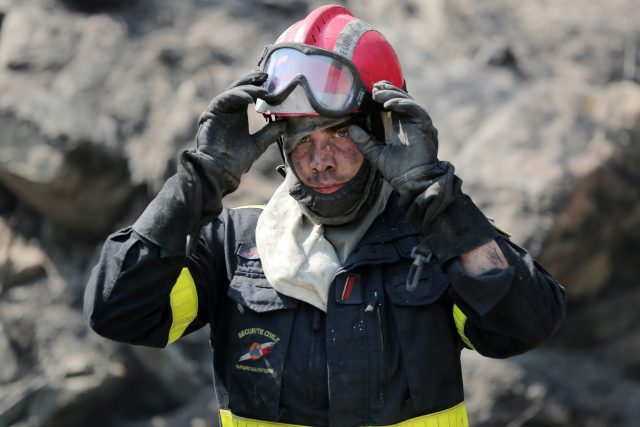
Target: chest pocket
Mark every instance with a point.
(259, 330)
(431, 287)
(427, 335)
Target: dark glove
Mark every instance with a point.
(225, 150)
(413, 149)
(429, 190)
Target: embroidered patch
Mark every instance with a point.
(257, 350)
(255, 354)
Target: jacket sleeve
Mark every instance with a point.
(504, 312)
(138, 295)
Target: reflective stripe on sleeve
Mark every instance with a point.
(461, 319)
(452, 417)
(184, 304)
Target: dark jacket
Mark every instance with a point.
(380, 355)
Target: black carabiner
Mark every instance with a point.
(415, 271)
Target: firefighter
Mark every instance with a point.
(347, 299)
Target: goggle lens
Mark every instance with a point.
(330, 82)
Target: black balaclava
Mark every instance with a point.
(345, 204)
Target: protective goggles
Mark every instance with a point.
(331, 82)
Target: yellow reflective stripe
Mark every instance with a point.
(452, 417)
(184, 304)
(506, 233)
(461, 319)
(228, 419)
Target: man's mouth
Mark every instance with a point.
(327, 188)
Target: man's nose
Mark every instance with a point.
(323, 155)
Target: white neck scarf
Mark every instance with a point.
(298, 256)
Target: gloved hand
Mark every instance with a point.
(429, 190)
(412, 152)
(418, 143)
(225, 149)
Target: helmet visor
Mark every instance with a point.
(331, 83)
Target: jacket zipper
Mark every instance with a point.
(315, 327)
(381, 364)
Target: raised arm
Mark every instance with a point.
(162, 277)
(504, 302)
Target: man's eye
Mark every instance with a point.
(342, 132)
(305, 139)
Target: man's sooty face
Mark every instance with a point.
(326, 159)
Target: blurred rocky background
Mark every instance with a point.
(537, 104)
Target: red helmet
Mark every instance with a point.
(325, 64)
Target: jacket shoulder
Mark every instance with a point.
(249, 213)
(241, 221)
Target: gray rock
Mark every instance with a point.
(544, 388)
(14, 402)
(9, 365)
(28, 35)
(64, 371)
(20, 261)
(599, 221)
(84, 190)
(7, 200)
(94, 5)
(543, 154)
(177, 375)
(57, 150)
(72, 372)
(200, 411)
